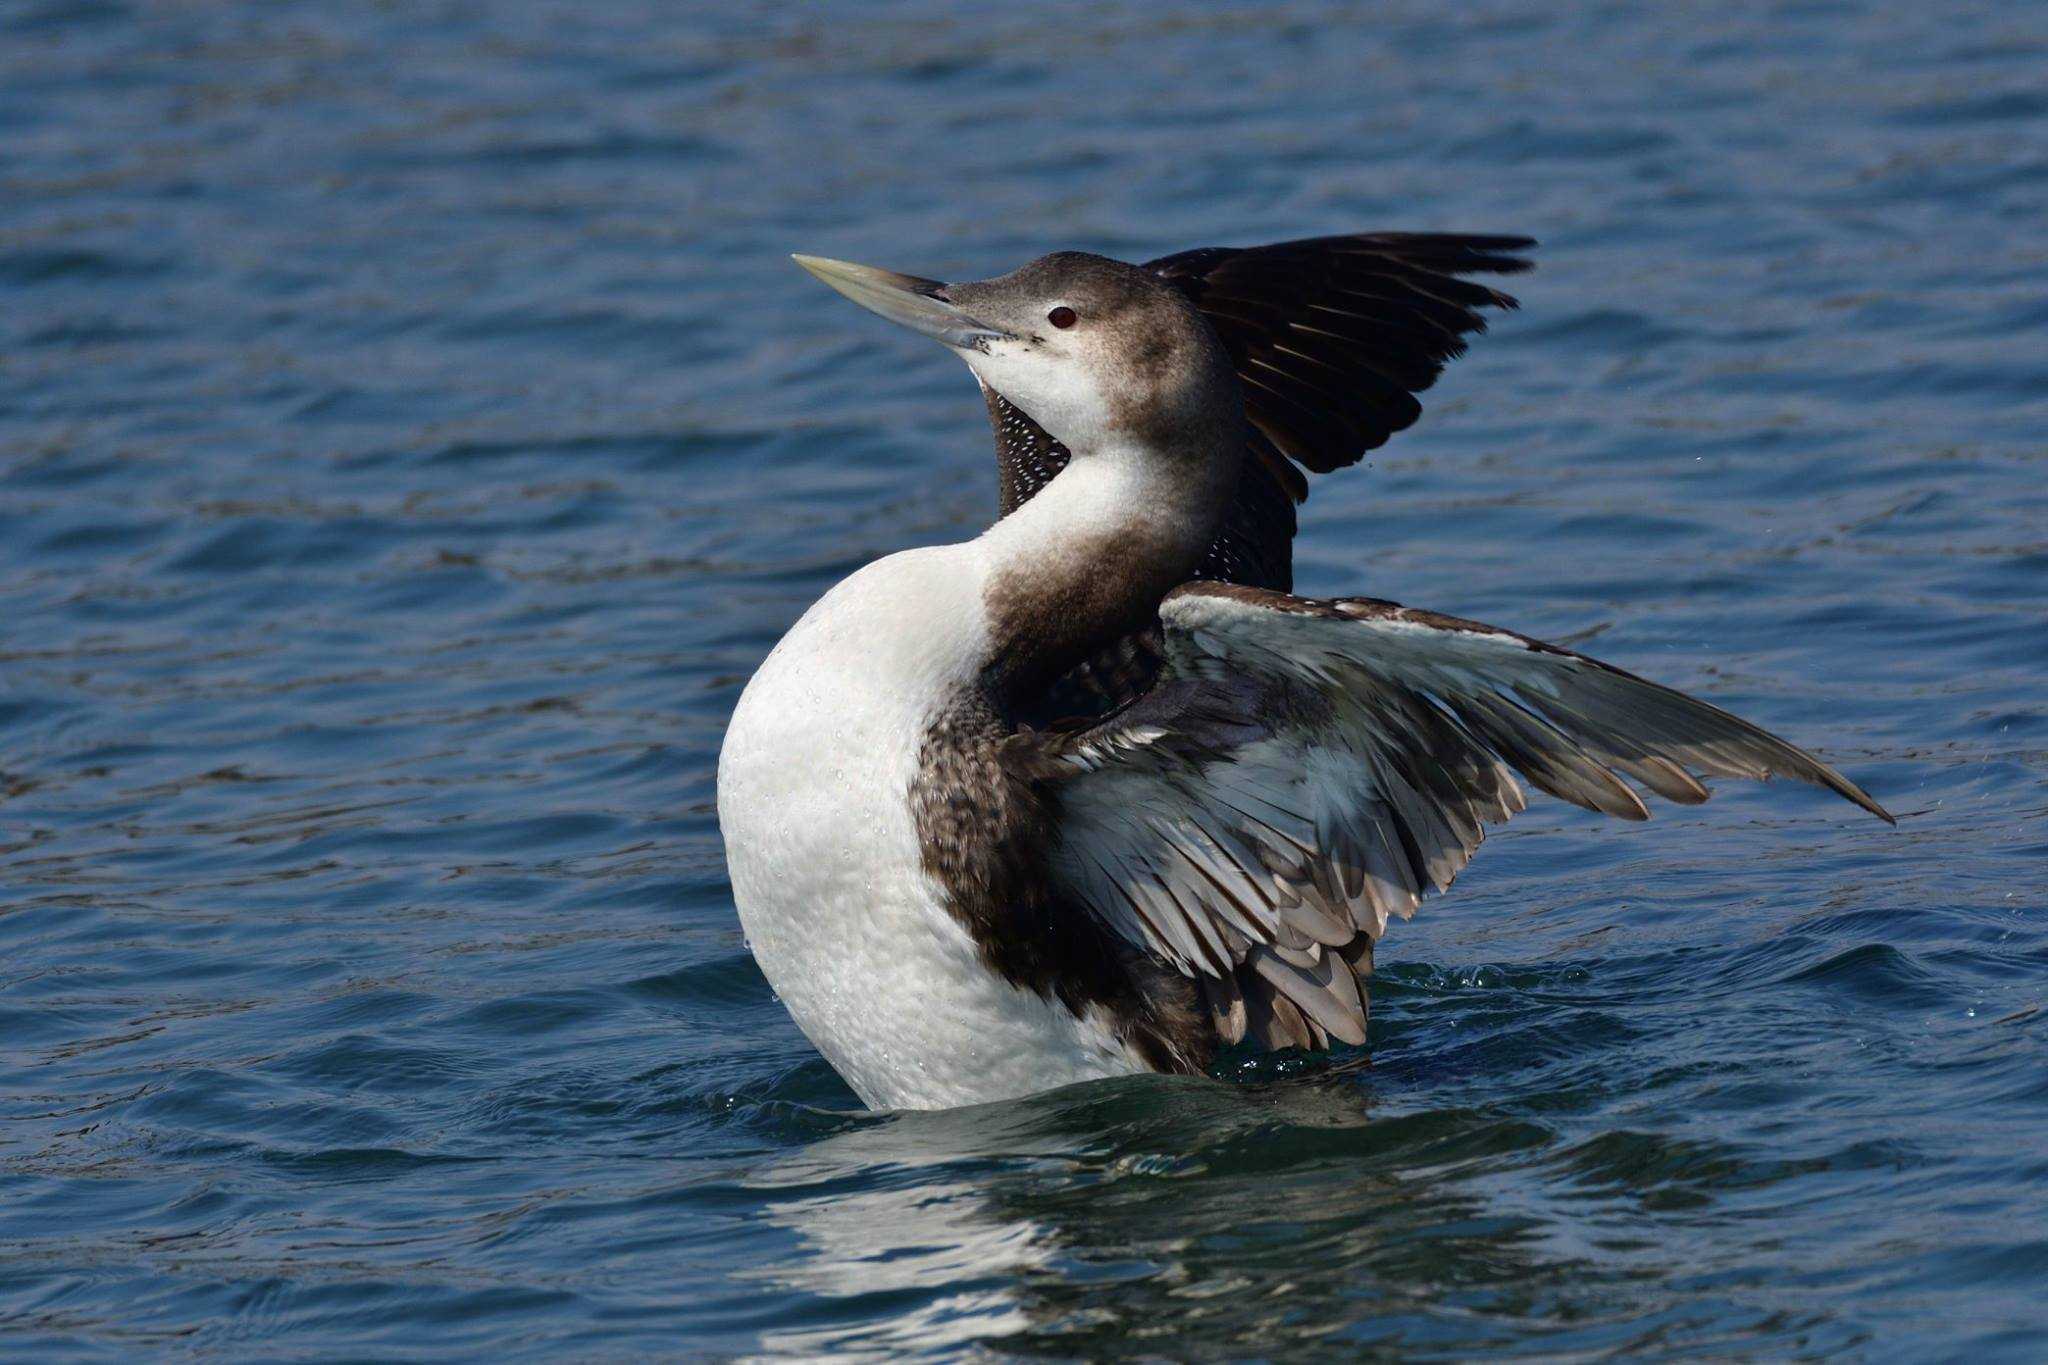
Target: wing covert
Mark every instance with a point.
(1304, 770)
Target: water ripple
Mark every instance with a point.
(412, 436)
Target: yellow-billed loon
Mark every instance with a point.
(1094, 793)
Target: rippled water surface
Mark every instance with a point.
(412, 434)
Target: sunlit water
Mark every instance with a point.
(414, 434)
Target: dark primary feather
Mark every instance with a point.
(1302, 770)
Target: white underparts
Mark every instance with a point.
(813, 797)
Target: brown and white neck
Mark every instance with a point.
(1088, 559)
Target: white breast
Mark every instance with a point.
(813, 799)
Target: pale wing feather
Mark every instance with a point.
(1306, 770)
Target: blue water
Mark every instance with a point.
(412, 434)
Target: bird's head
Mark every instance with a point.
(1102, 355)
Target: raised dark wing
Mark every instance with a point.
(1302, 770)
(1332, 338)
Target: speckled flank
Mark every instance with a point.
(987, 828)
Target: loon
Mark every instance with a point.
(1095, 793)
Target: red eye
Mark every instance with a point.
(1062, 316)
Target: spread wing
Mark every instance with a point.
(1332, 338)
(1302, 770)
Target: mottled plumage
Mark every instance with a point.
(1304, 770)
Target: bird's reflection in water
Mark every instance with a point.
(1163, 1213)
